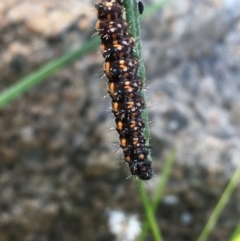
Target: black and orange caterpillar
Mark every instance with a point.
(124, 86)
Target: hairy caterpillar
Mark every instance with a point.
(124, 86)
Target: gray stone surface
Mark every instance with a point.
(60, 165)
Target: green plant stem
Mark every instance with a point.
(150, 214)
(132, 17)
(134, 28)
(27, 82)
(236, 234)
(159, 191)
(220, 206)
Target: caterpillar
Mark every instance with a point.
(124, 86)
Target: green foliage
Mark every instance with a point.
(236, 234)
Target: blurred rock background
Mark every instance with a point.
(61, 173)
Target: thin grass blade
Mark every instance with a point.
(45, 71)
(220, 206)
